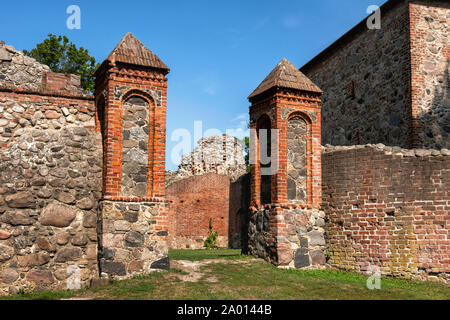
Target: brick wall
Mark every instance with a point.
(196, 200)
(388, 207)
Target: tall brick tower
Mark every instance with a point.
(286, 224)
(131, 91)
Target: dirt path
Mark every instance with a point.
(192, 268)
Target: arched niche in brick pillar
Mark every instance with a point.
(291, 103)
(264, 130)
(138, 123)
(130, 75)
(299, 158)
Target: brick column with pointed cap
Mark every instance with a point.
(132, 71)
(284, 199)
(131, 91)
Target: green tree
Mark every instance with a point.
(211, 240)
(63, 56)
(247, 152)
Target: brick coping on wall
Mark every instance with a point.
(282, 206)
(389, 150)
(134, 199)
(48, 93)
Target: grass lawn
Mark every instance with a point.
(233, 276)
(198, 255)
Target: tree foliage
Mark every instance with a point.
(211, 240)
(245, 143)
(63, 56)
(247, 152)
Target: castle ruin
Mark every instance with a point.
(350, 163)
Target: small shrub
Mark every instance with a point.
(211, 240)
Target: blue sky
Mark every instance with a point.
(218, 51)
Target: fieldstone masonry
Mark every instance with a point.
(210, 183)
(389, 85)
(131, 239)
(223, 155)
(288, 230)
(50, 178)
(430, 73)
(82, 177)
(297, 133)
(135, 147)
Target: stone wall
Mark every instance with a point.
(366, 84)
(388, 207)
(132, 240)
(131, 92)
(222, 155)
(430, 65)
(50, 178)
(288, 237)
(296, 167)
(389, 85)
(135, 147)
(285, 221)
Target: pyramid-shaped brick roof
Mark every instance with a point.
(286, 75)
(131, 51)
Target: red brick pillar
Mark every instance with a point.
(290, 102)
(131, 91)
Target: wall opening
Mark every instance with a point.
(265, 154)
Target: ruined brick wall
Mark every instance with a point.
(223, 155)
(388, 207)
(21, 73)
(50, 177)
(210, 182)
(430, 68)
(196, 200)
